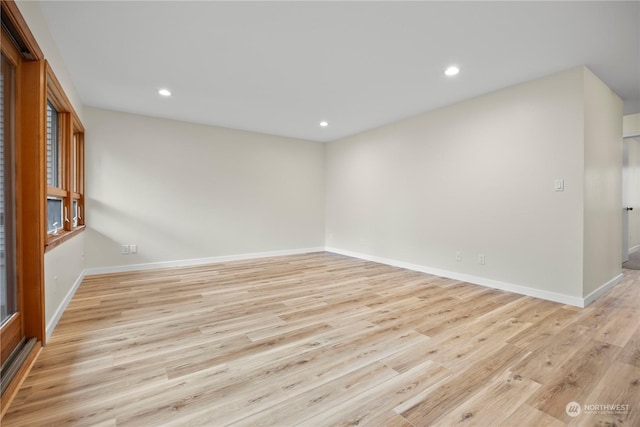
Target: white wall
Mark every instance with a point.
(63, 267)
(185, 191)
(602, 183)
(32, 14)
(476, 177)
(66, 260)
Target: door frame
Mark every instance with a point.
(12, 331)
(30, 191)
(625, 201)
(625, 195)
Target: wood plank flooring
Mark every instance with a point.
(326, 340)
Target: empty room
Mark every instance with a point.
(320, 213)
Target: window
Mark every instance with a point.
(54, 214)
(77, 176)
(8, 283)
(53, 158)
(65, 165)
(55, 198)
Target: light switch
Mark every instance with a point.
(558, 185)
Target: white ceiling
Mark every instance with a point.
(282, 67)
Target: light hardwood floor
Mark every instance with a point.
(323, 340)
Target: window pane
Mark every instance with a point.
(74, 165)
(8, 283)
(53, 152)
(75, 213)
(54, 214)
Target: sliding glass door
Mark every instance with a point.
(11, 329)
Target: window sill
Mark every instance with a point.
(53, 241)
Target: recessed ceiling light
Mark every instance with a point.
(452, 71)
(164, 92)
(324, 124)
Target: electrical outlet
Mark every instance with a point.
(481, 259)
(458, 256)
(133, 249)
(125, 249)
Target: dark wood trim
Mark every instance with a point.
(21, 375)
(10, 8)
(12, 332)
(77, 124)
(31, 218)
(9, 50)
(30, 186)
(69, 125)
(57, 192)
(10, 335)
(56, 240)
(81, 177)
(66, 139)
(60, 100)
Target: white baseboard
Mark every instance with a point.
(634, 249)
(495, 284)
(63, 306)
(197, 261)
(602, 289)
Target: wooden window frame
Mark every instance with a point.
(69, 126)
(11, 332)
(59, 191)
(30, 188)
(77, 190)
